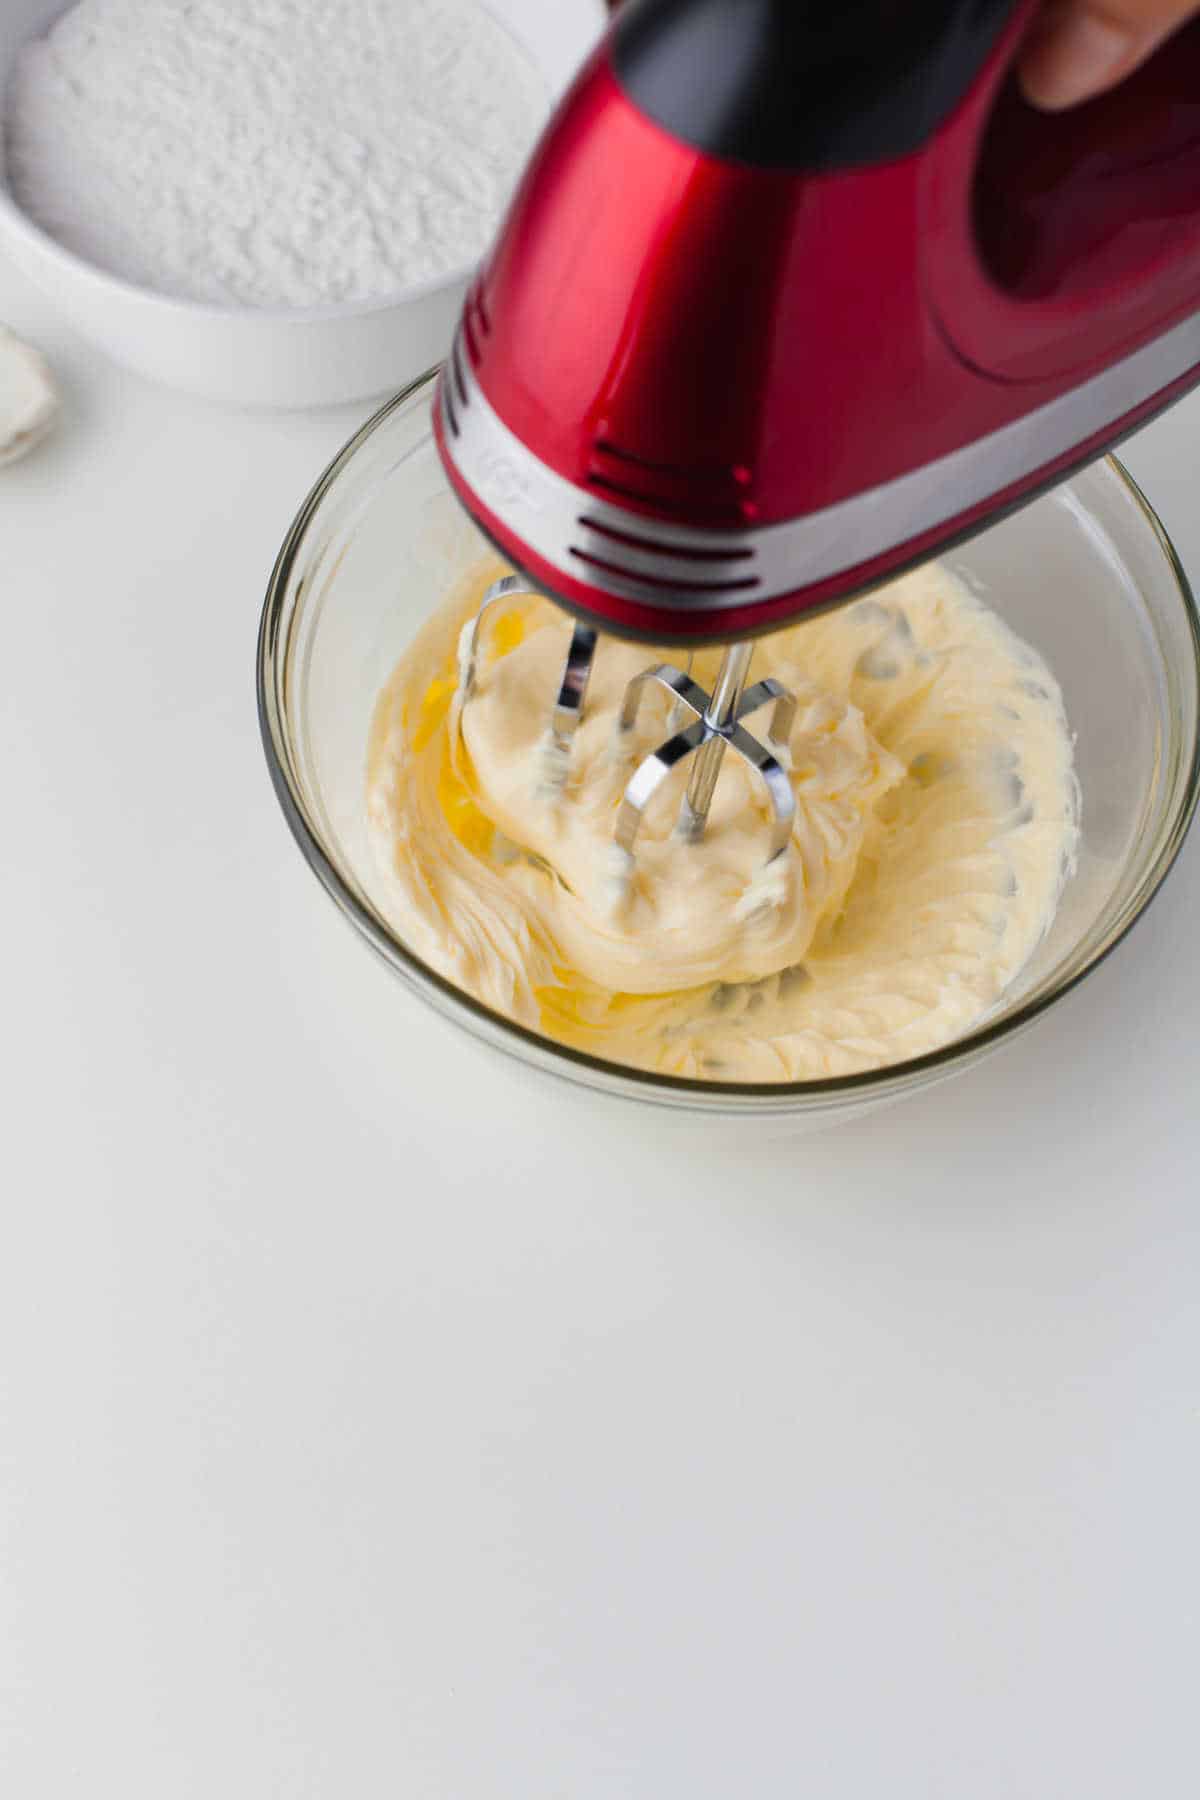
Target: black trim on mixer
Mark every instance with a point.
(803, 84)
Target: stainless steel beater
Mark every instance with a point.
(717, 726)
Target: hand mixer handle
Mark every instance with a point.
(804, 85)
(1057, 242)
(1051, 243)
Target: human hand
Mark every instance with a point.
(1078, 48)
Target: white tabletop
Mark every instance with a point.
(377, 1419)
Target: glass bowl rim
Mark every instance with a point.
(648, 1084)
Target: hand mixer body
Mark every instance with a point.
(784, 305)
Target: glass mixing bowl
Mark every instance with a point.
(1086, 573)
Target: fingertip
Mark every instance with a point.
(1077, 55)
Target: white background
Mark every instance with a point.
(377, 1419)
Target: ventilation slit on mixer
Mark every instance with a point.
(696, 473)
(635, 542)
(725, 513)
(468, 332)
(668, 586)
(485, 323)
(456, 364)
(715, 494)
(447, 402)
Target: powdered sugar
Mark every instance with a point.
(272, 152)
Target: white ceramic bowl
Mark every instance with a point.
(246, 356)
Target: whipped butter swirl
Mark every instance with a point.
(936, 822)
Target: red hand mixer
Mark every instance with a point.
(793, 296)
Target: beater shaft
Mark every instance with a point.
(720, 717)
